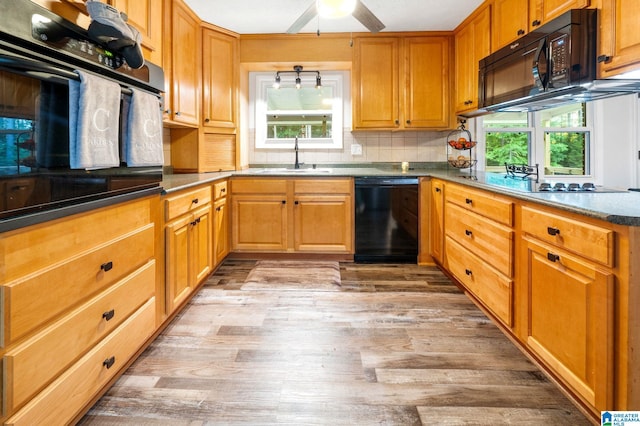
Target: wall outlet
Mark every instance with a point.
(356, 149)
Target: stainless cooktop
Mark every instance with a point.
(528, 184)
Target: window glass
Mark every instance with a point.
(506, 147)
(566, 153)
(505, 120)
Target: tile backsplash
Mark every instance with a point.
(377, 146)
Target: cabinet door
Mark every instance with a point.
(571, 320)
(219, 83)
(260, 222)
(185, 65)
(221, 231)
(202, 245)
(510, 21)
(146, 17)
(436, 221)
(217, 152)
(323, 223)
(177, 261)
(375, 83)
(472, 43)
(542, 11)
(619, 37)
(426, 76)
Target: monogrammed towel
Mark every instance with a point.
(142, 145)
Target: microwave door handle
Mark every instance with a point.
(540, 67)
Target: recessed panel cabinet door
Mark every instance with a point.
(323, 223)
(260, 222)
(219, 82)
(571, 320)
(220, 231)
(177, 263)
(510, 22)
(146, 17)
(186, 66)
(619, 37)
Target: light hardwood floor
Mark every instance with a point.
(401, 345)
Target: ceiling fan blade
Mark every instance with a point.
(304, 19)
(367, 18)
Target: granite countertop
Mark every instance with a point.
(621, 208)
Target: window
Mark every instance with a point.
(312, 114)
(557, 139)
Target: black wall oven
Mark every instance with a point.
(39, 54)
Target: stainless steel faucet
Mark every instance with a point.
(297, 164)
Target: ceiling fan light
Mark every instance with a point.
(335, 8)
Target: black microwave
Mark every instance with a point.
(549, 65)
(40, 53)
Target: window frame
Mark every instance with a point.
(264, 81)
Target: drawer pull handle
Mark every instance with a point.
(553, 257)
(468, 200)
(223, 190)
(106, 266)
(218, 208)
(296, 202)
(536, 23)
(194, 201)
(109, 362)
(284, 201)
(468, 272)
(108, 315)
(553, 231)
(468, 233)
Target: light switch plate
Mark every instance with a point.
(356, 149)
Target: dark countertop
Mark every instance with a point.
(621, 208)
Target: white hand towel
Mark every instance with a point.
(94, 119)
(143, 131)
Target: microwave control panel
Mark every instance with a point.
(560, 60)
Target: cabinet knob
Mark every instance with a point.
(408, 121)
(553, 257)
(284, 201)
(218, 208)
(468, 272)
(553, 231)
(296, 202)
(106, 266)
(109, 362)
(536, 23)
(468, 201)
(177, 112)
(397, 122)
(206, 120)
(468, 233)
(437, 189)
(167, 111)
(520, 32)
(604, 58)
(108, 315)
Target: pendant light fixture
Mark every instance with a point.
(335, 8)
(297, 70)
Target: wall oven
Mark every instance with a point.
(39, 55)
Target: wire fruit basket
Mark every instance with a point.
(460, 148)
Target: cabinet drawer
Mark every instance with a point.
(185, 202)
(492, 288)
(323, 186)
(589, 241)
(487, 239)
(484, 203)
(259, 186)
(32, 301)
(57, 346)
(219, 190)
(62, 400)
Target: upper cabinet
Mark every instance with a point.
(182, 66)
(472, 43)
(146, 17)
(619, 49)
(510, 21)
(401, 82)
(220, 80)
(542, 11)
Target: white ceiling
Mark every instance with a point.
(276, 16)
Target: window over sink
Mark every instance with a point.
(314, 115)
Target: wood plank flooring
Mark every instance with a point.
(400, 345)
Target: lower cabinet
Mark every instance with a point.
(220, 223)
(188, 243)
(78, 301)
(292, 215)
(436, 221)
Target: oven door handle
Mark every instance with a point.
(41, 70)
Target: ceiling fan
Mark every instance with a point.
(340, 8)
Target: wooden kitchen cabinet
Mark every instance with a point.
(619, 41)
(188, 243)
(219, 79)
(182, 65)
(194, 151)
(146, 16)
(472, 43)
(96, 282)
(543, 11)
(436, 221)
(401, 82)
(570, 288)
(221, 244)
(479, 246)
(292, 215)
(510, 19)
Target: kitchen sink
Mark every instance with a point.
(292, 171)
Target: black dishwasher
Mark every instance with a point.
(386, 219)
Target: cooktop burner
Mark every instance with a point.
(526, 184)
